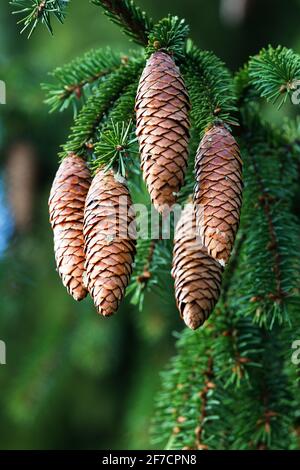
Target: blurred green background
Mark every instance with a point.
(73, 380)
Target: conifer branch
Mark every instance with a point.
(233, 265)
(265, 200)
(170, 35)
(115, 148)
(190, 406)
(228, 385)
(264, 417)
(117, 143)
(146, 274)
(269, 286)
(78, 79)
(152, 269)
(35, 11)
(210, 88)
(84, 132)
(204, 395)
(134, 22)
(123, 109)
(275, 73)
(236, 344)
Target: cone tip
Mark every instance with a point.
(79, 294)
(106, 313)
(193, 320)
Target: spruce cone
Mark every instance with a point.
(218, 191)
(197, 275)
(109, 233)
(162, 106)
(66, 206)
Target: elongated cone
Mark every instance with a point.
(218, 191)
(66, 206)
(162, 106)
(109, 233)
(197, 275)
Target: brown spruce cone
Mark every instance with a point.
(162, 106)
(109, 233)
(197, 275)
(66, 206)
(218, 191)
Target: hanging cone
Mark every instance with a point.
(109, 233)
(162, 106)
(218, 191)
(197, 275)
(66, 206)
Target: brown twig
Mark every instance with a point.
(134, 24)
(233, 266)
(265, 200)
(39, 8)
(146, 275)
(208, 374)
(77, 87)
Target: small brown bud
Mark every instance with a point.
(143, 278)
(78, 92)
(124, 59)
(202, 447)
(210, 385)
(271, 246)
(267, 427)
(181, 419)
(244, 360)
(283, 88)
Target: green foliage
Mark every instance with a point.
(78, 79)
(115, 147)
(231, 384)
(129, 17)
(190, 397)
(35, 11)
(123, 109)
(84, 131)
(270, 270)
(251, 400)
(151, 269)
(169, 34)
(291, 130)
(210, 88)
(134, 21)
(226, 389)
(263, 412)
(273, 73)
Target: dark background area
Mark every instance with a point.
(72, 379)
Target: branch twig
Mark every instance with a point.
(125, 13)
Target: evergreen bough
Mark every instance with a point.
(232, 384)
